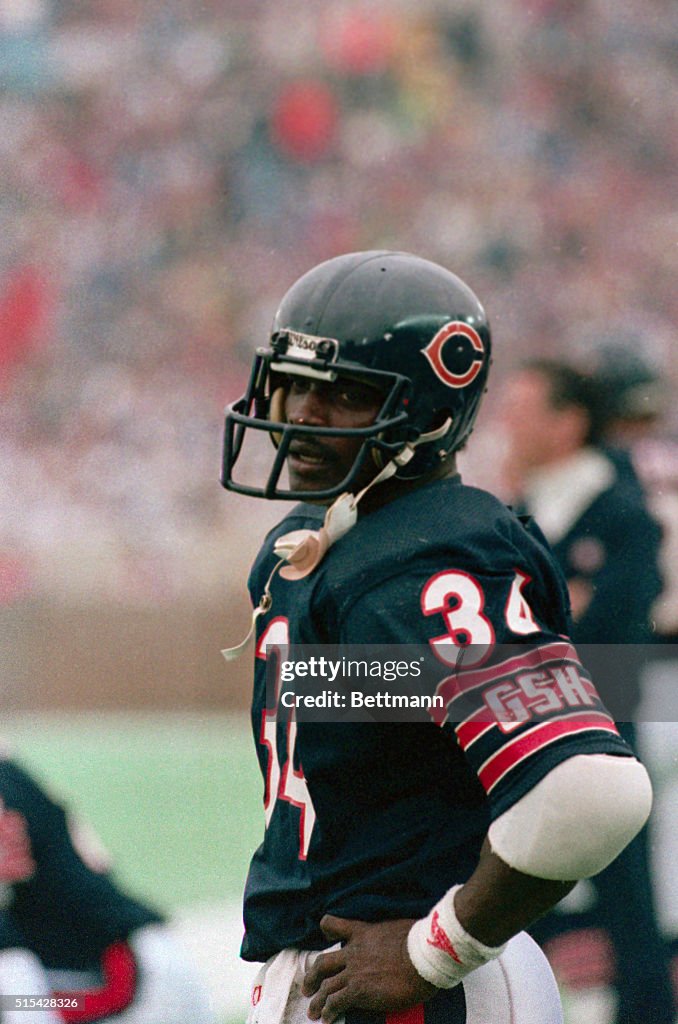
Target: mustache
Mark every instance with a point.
(313, 448)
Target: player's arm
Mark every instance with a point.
(561, 811)
(374, 969)
(395, 964)
(571, 825)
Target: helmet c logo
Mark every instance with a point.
(434, 354)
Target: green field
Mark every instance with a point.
(176, 799)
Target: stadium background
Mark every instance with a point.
(168, 169)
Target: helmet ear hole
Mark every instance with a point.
(276, 412)
(442, 417)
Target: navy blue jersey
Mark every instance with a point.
(376, 820)
(57, 901)
(613, 547)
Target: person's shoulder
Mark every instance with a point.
(480, 506)
(620, 511)
(443, 520)
(442, 531)
(15, 779)
(625, 471)
(625, 497)
(470, 517)
(301, 517)
(23, 791)
(440, 500)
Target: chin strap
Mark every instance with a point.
(265, 602)
(304, 550)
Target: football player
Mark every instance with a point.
(69, 935)
(402, 861)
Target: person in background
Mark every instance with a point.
(635, 400)
(594, 515)
(70, 934)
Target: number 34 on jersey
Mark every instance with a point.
(456, 596)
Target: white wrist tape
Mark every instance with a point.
(441, 950)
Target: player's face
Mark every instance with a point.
(530, 421)
(316, 464)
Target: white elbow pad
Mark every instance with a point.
(577, 819)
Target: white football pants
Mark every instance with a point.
(516, 988)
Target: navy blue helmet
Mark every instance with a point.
(407, 326)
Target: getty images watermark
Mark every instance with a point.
(510, 684)
(354, 682)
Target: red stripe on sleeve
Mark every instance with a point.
(510, 755)
(472, 728)
(464, 680)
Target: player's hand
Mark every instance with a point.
(371, 971)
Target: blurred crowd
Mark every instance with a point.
(168, 168)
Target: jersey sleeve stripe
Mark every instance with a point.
(479, 722)
(493, 770)
(474, 728)
(537, 657)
